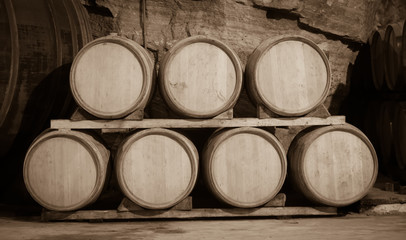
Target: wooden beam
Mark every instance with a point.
(196, 123)
(195, 213)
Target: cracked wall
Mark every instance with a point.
(338, 27)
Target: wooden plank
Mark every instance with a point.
(195, 213)
(196, 123)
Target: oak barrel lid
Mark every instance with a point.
(244, 167)
(200, 77)
(111, 77)
(65, 170)
(333, 165)
(157, 168)
(289, 75)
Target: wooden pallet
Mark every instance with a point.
(184, 210)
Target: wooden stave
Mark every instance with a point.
(169, 99)
(147, 65)
(251, 72)
(179, 138)
(210, 147)
(298, 149)
(99, 153)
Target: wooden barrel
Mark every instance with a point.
(399, 129)
(371, 122)
(200, 77)
(37, 38)
(156, 168)
(392, 57)
(332, 165)
(386, 133)
(112, 77)
(289, 75)
(244, 167)
(377, 50)
(65, 170)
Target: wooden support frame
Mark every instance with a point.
(196, 123)
(199, 213)
(128, 210)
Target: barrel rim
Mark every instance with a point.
(258, 54)
(141, 56)
(164, 85)
(316, 133)
(89, 145)
(183, 141)
(211, 149)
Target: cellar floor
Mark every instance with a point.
(380, 215)
(353, 226)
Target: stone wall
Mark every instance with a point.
(339, 27)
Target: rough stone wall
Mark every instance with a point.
(339, 27)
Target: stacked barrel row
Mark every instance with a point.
(386, 116)
(388, 57)
(386, 129)
(201, 77)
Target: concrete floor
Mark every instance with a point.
(354, 226)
